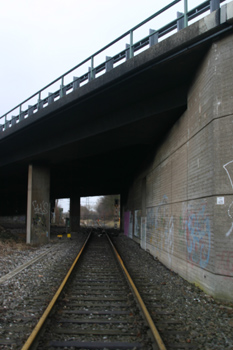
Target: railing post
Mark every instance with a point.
(76, 83)
(30, 110)
(62, 92)
(39, 104)
(108, 63)
(50, 98)
(154, 37)
(91, 70)
(92, 67)
(20, 112)
(131, 45)
(185, 13)
(13, 120)
(214, 5)
(180, 21)
(127, 51)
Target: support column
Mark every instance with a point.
(38, 207)
(75, 213)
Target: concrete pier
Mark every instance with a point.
(38, 207)
(75, 213)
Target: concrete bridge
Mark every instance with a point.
(156, 129)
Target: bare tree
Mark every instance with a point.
(106, 206)
(58, 213)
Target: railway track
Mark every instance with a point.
(97, 307)
(170, 322)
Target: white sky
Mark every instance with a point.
(42, 39)
(89, 202)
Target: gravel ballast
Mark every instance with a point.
(23, 298)
(207, 323)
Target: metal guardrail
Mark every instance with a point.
(8, 120)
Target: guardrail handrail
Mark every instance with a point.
(178, 23)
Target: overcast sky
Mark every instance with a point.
(42, 39)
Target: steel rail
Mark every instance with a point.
(46, 313)
(143, 307)
(20, 268)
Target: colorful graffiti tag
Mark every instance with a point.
(39, 218)
(39, 224)
(196, 228)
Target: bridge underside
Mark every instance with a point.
(93, 143)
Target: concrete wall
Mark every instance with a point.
(189, 183)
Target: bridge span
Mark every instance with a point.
(156, 129)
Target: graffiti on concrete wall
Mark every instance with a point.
(196, 229)
(39, 225)
(39, 218)
(160, 227)
(194, 234)
(229, 169)
(40, 208)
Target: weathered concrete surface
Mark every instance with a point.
(189, 180)
(38, 211)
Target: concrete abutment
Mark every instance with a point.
(188, 224)
(75, 213)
